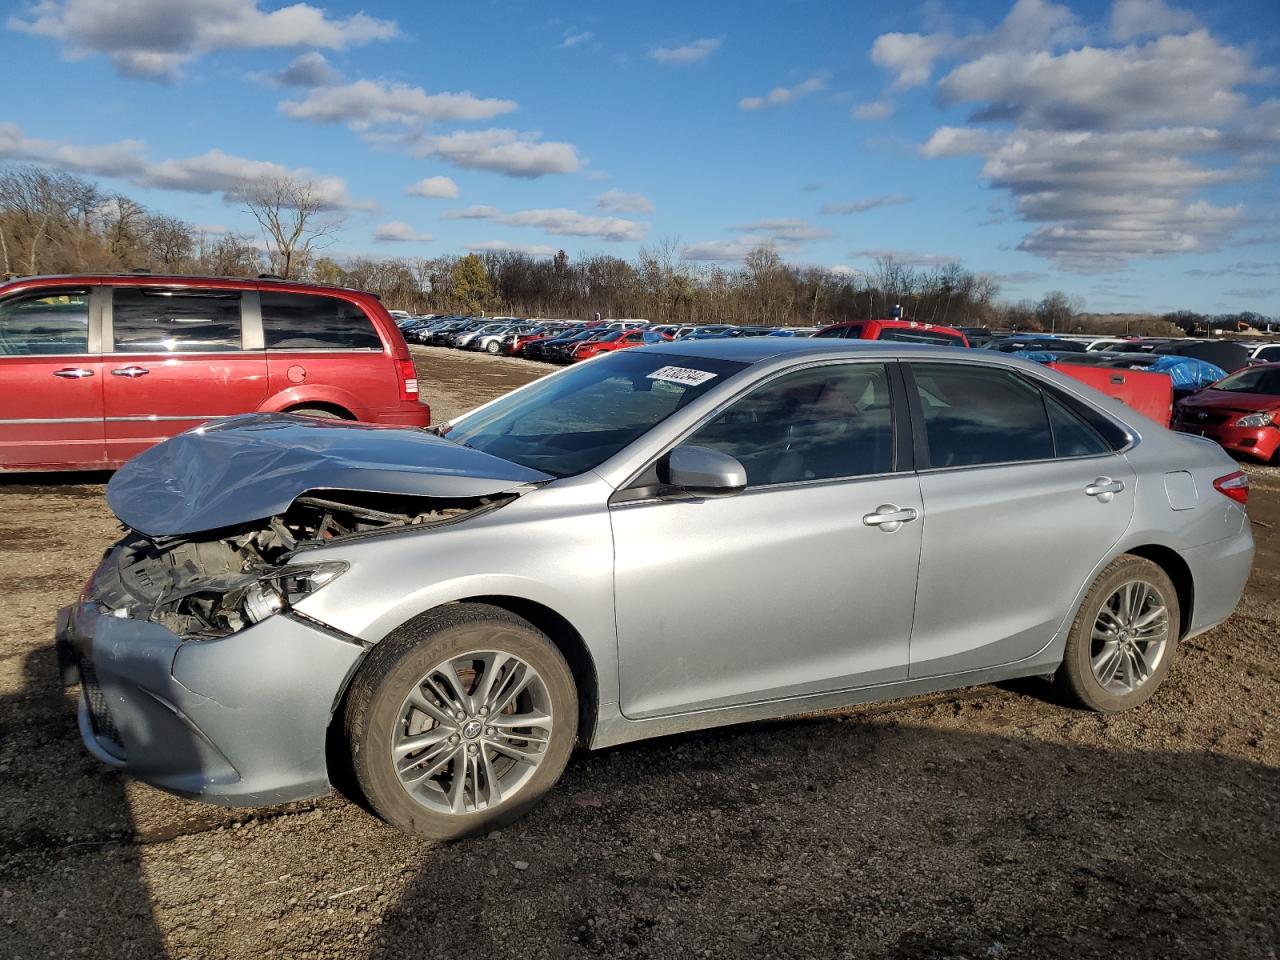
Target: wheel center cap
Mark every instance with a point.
(471, 729)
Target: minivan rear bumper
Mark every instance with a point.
(412, 414)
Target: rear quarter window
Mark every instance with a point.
(45, 322)
(303, 321)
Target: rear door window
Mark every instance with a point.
(303, 321)
(45, 323)
(163, 320)
(977, 415)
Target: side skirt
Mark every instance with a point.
(613, 728)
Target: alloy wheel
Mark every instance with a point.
(1130, 636)
(472, 732)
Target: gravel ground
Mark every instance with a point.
(992, 823)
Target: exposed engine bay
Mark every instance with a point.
(211, 585)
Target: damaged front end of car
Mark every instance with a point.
(197, 673)
(210, 585)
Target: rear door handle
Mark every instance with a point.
(1104, 488)
(889, 517)
(73, 373)
(130, 372)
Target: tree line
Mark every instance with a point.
(55, 222)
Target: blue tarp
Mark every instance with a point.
(1188, 372)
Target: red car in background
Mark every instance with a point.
(617, 340)
(1240, 411)
(96, 369)
(903, 331)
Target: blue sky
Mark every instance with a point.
(1125, 152)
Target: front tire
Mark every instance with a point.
(1124, 638)
(460, 721)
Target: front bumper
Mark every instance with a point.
(240, 721)
(1260, 442)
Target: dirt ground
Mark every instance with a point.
(990, 824)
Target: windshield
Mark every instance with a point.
(576, 420)
(1263, 380)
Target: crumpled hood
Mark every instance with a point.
(252, 467)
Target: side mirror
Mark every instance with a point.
(702, 472)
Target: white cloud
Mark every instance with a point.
(435, 187)
(479, 212)
(210, 229)
(869, 203)
(154, 39)
(1139, 18)
(725, 251)
(909, 55)
(502, 246)
(620, 201)
(693, 52)
(397, 231)
(366, 102)
(559, 221)
(211, 172)
(1171, 80)
(779, 96)
(881, 109)
(909, 258)
(308, 70)
(784, 230)
(573, 39)
(509, 152)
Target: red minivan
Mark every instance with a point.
(95, 369)
(904, 331)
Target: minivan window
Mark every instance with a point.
(300, 321)
(978, 415)
(823, 423)
(45, 322)
(161, 320)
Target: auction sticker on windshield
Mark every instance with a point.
(685, 375)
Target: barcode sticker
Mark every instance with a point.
(686, 375)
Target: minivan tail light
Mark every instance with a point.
(1234, 485)
(407, 375)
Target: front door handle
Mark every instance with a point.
(1104, 488)
(889, 517)
(73, 373)
(130, 372)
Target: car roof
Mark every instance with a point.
(177, 279)
(755, 349)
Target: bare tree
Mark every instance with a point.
(296, 220)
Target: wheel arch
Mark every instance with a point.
(1169, 560)
(569, 641)
(336, 409)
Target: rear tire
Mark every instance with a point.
(1124, 638)
(412, 733)
(492, 347)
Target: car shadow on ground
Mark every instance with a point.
(865, 838)
(71, 882)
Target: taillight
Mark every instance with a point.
(407, 376)
(1234, 485)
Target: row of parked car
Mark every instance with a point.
(567, 341)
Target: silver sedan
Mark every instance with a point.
(663, 539)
